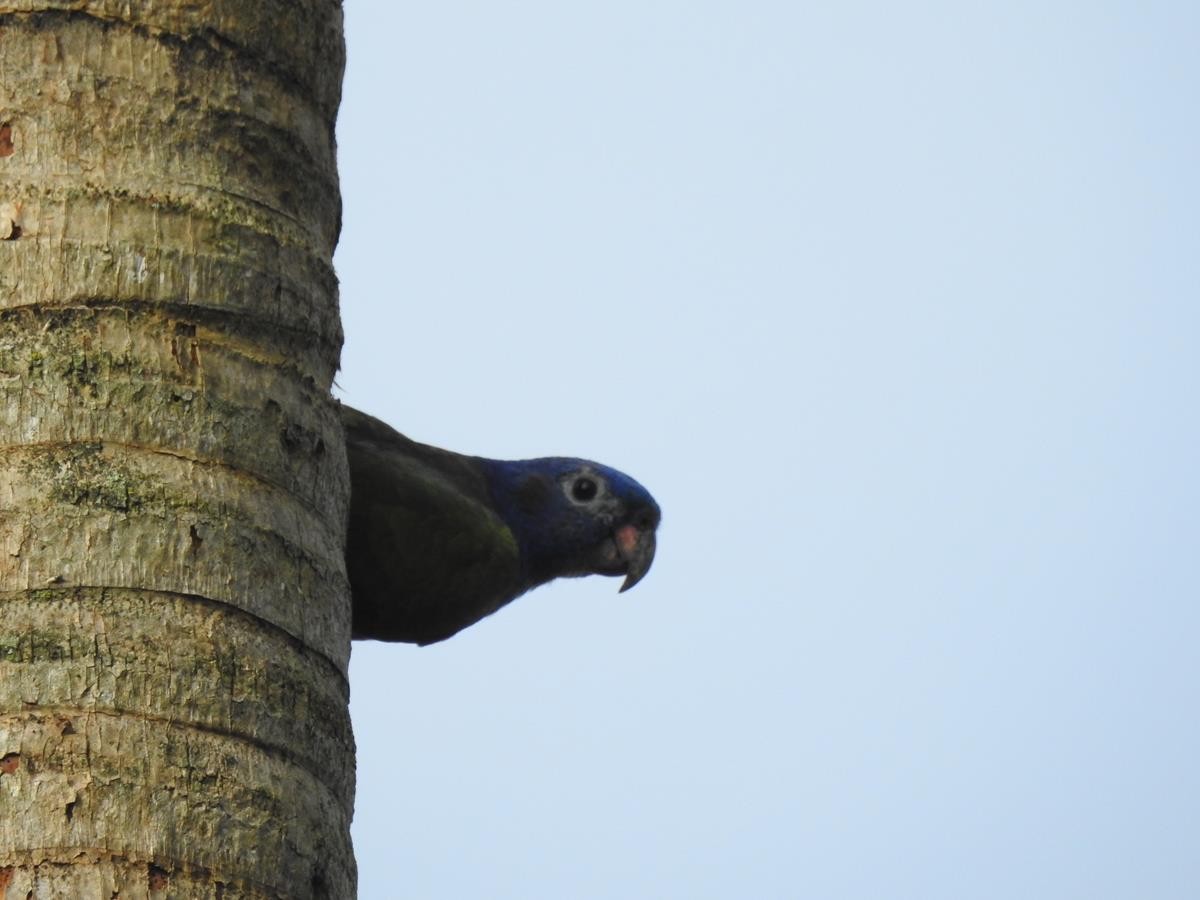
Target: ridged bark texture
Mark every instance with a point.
(174, 614)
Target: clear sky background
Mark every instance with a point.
(895, 308)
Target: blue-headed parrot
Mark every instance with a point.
(438, 540)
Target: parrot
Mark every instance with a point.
(438, 540)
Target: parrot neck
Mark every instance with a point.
(526, 496)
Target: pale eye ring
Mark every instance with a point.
(584, 489)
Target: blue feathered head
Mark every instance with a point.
(575, 517)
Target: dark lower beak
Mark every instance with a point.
(636, 548)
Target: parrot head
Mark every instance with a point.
(573, 517)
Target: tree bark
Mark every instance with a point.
(174, 614)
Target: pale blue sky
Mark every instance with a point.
(895, 308)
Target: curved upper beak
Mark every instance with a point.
(636, 548)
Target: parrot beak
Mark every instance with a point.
(636, 548)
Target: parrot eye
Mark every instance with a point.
(584, 489)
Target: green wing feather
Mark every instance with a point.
(426, 554)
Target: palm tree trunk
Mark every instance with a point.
(174, 621)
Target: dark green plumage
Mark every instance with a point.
(437, 540)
